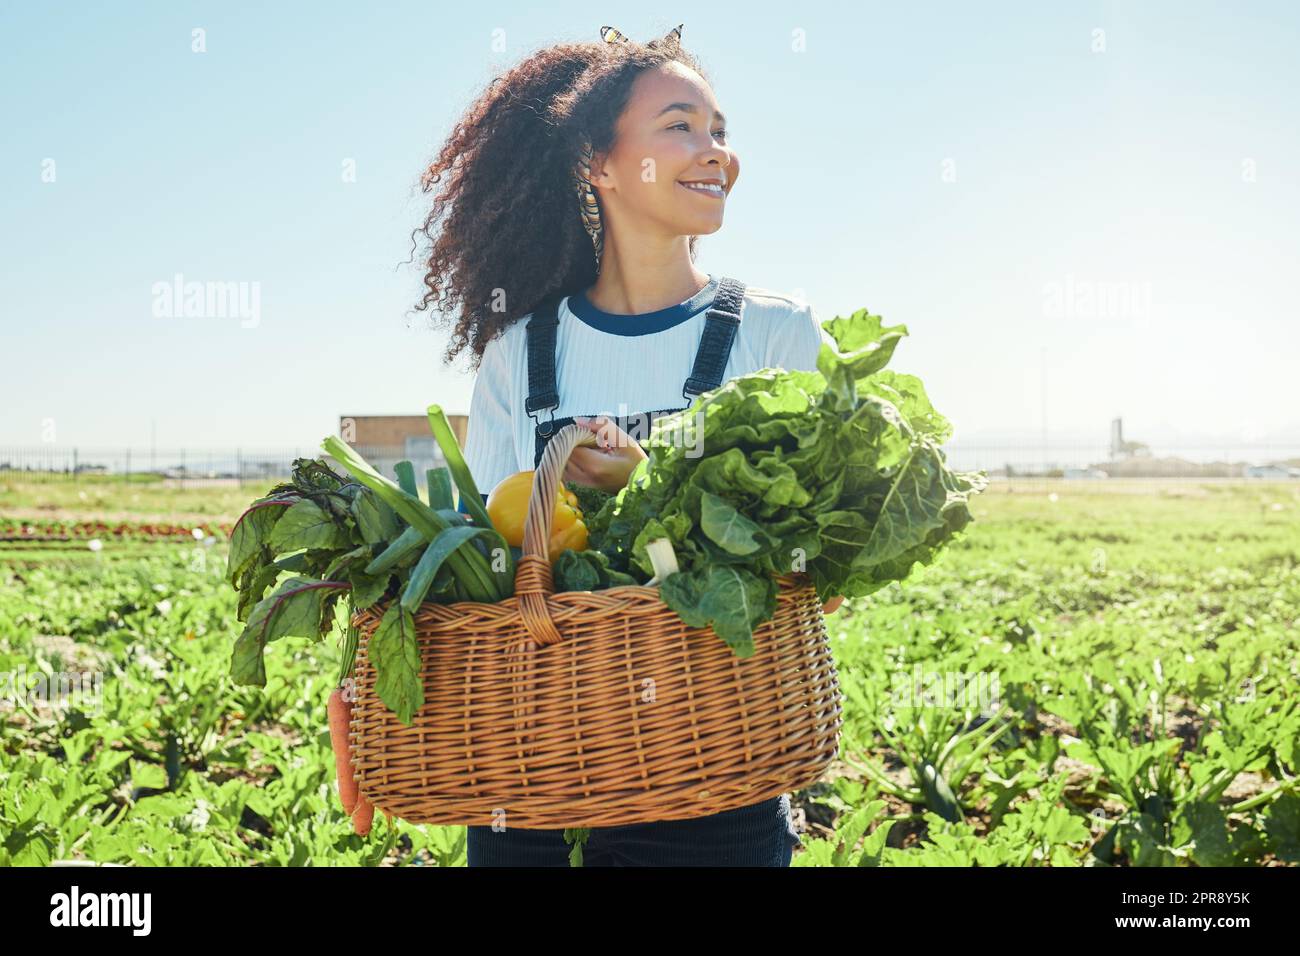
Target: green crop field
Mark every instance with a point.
(1086, 678)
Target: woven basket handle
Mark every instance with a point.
(533, 581)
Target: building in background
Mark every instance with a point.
(384, 440)
(1121, 449)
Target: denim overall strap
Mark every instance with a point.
(720, 326)
(541, 329)
(715, 344)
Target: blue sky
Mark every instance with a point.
(983, 173)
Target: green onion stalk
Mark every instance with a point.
(467, 564)
(469, 492)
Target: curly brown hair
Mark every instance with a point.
(508, 222)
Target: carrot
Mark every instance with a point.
(362, 815)
(340, 715)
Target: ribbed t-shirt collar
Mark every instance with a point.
(645, 322)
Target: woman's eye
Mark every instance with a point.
(721, 134)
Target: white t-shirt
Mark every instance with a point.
(615, 365)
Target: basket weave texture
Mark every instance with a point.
(594, 708)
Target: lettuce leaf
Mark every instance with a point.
(836, 473)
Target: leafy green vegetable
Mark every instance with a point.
(405, 472)
(438, 551)
(248, 540)
(469, 492)
(590, 500)
(471, 567)
(402, 547)
(835, 473)
(396, 656)
(586, 571)
(306, 525)
(438, 481)
(295, 609)
(344, 540)
(375, 520)
(577, 837)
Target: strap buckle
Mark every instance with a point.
(722, 312)
(550, 422)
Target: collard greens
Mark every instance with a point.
(836, 472)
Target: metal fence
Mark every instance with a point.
(260, 466)
(189, 467)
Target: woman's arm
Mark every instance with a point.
(490, 438)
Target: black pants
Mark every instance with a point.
(761, 834)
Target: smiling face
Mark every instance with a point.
(670, 134)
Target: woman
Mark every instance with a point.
(575, 305)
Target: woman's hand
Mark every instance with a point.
(609, 465)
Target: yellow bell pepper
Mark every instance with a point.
(507, 506)
(574, 536)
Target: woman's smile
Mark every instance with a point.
(710, 189)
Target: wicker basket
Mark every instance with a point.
(594, 708)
